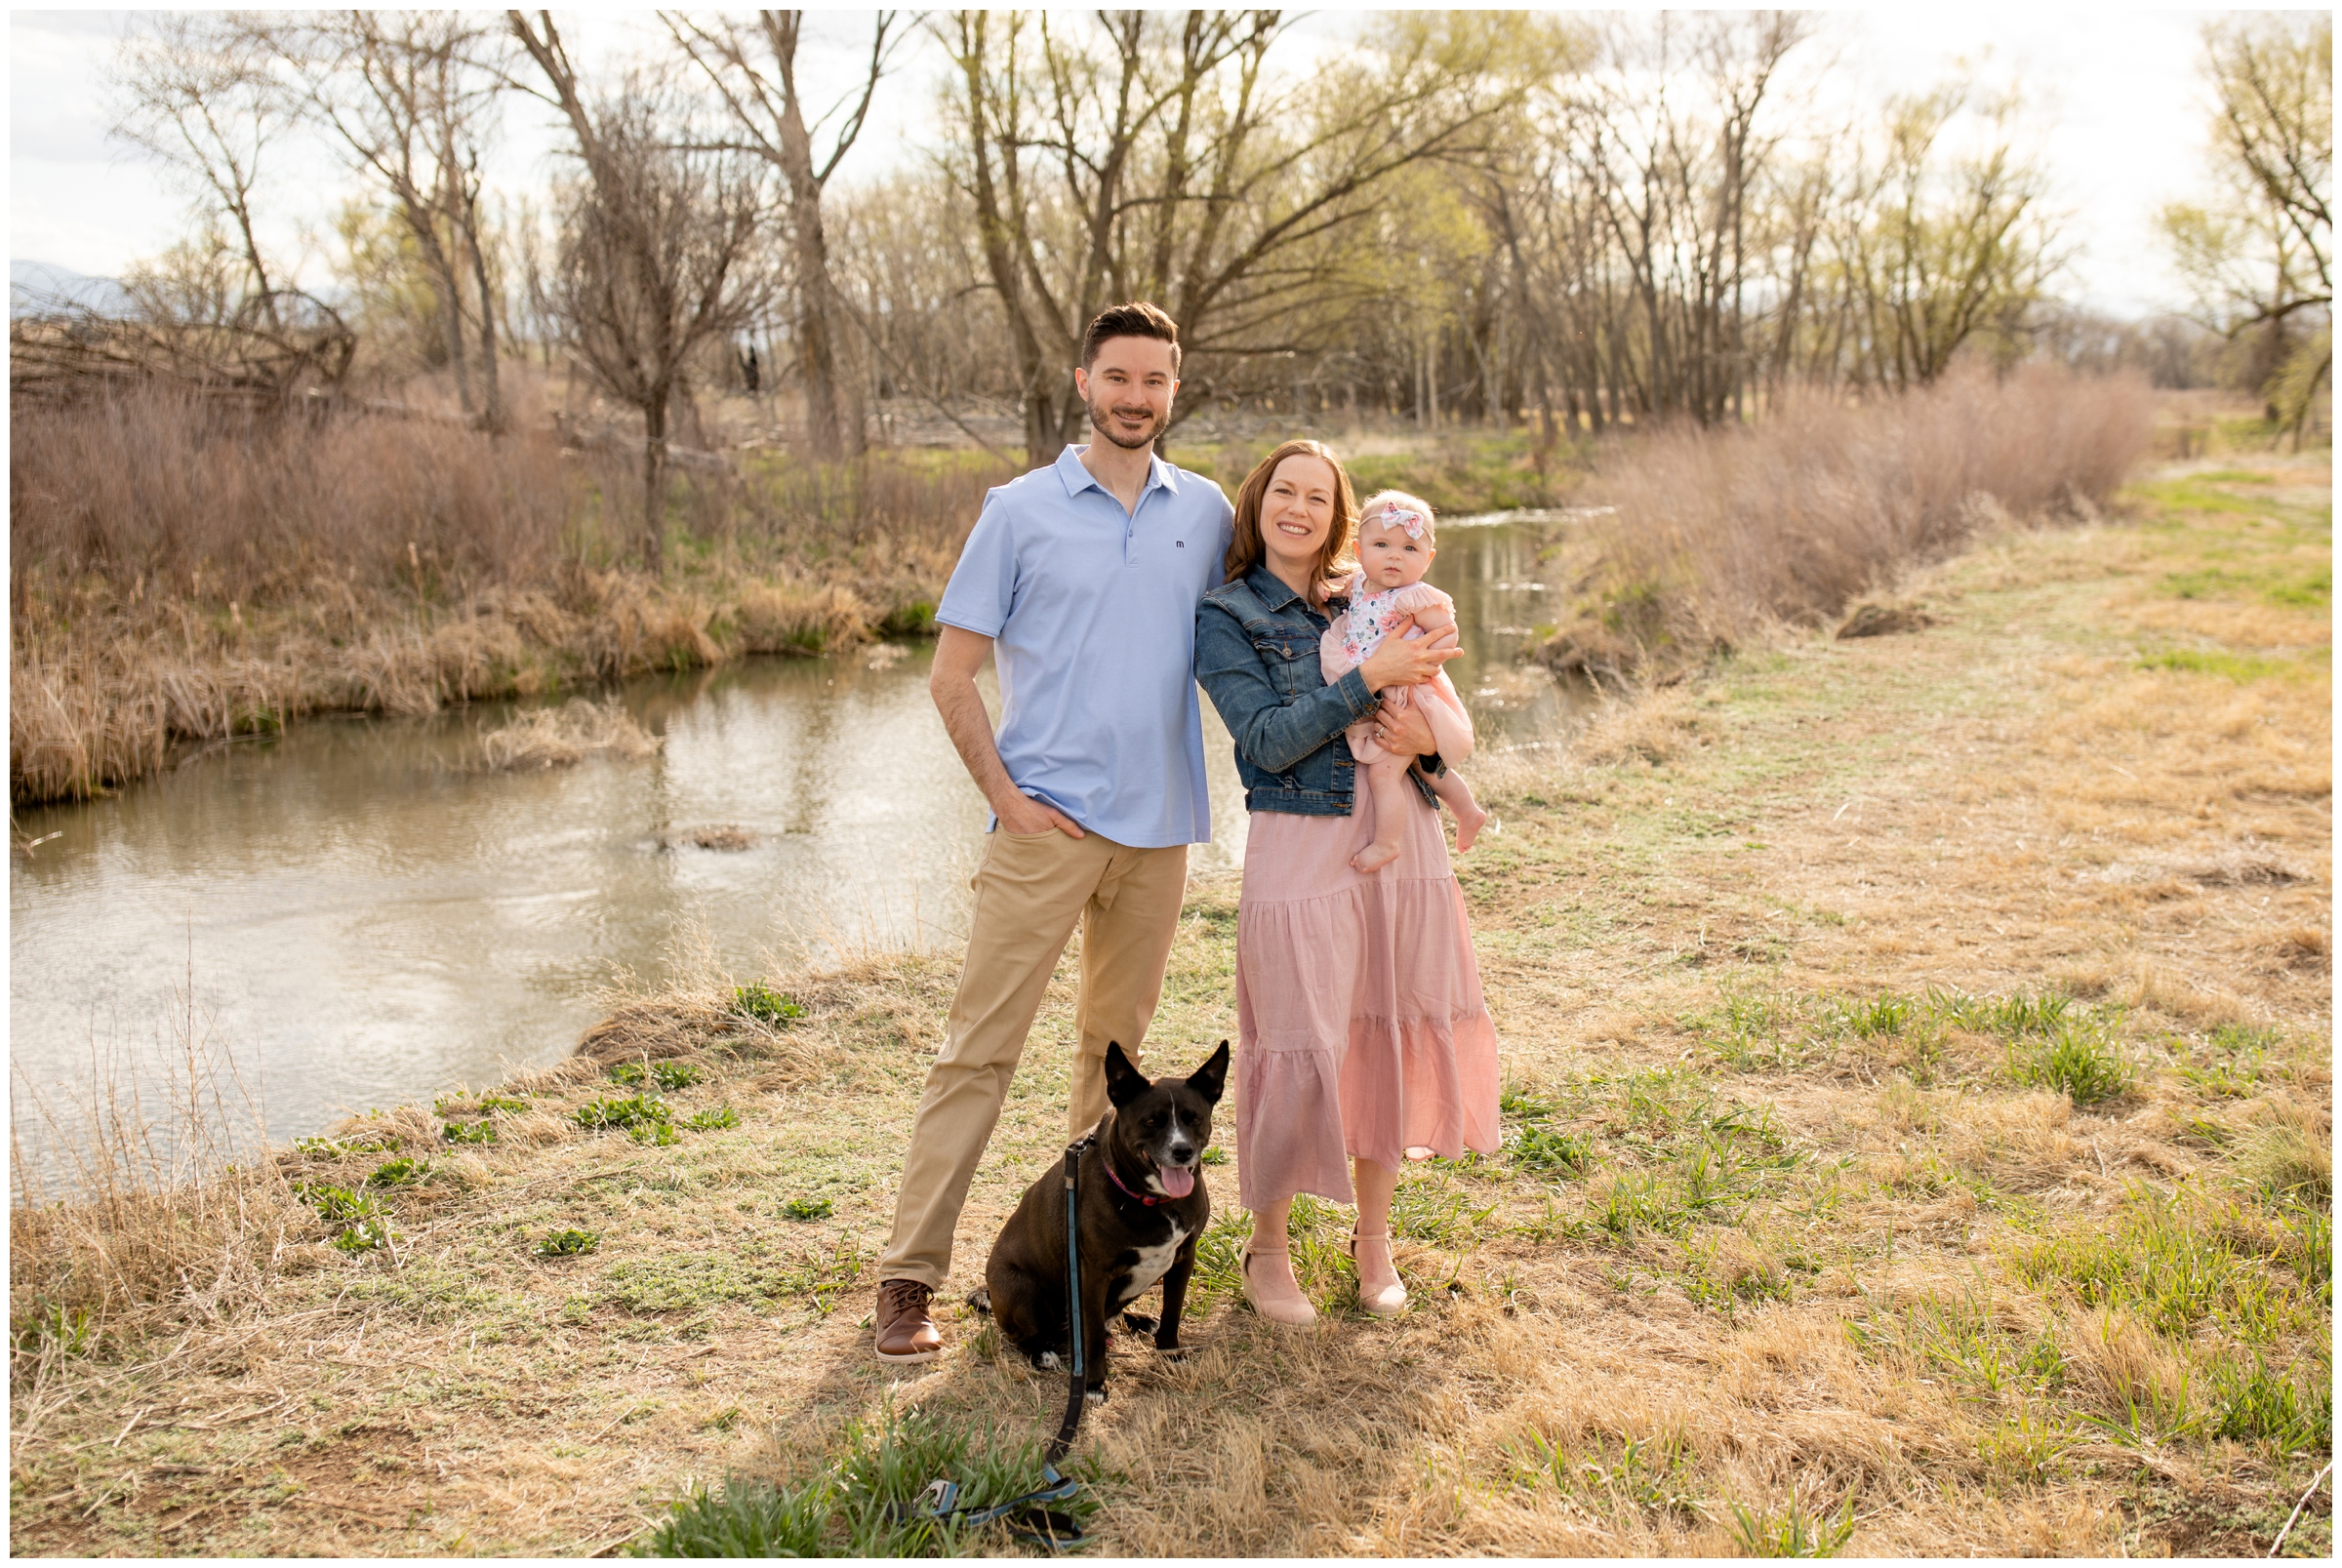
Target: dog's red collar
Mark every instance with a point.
(1109, 1163)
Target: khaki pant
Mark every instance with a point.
(1029, 892)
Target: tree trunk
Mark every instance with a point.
(492, 413)
(833, 412)
(654, 484)
(451, 327)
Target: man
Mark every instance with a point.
(1081, 580)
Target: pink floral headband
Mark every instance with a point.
(1406, 517)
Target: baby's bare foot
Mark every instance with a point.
(1469, 823)
(1373, 857)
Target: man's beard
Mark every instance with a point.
(1101, 418)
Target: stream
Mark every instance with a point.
(358, 917)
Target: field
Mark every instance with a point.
(1917, 1142)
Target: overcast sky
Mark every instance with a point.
(2114, 94)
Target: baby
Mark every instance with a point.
(1395, 550)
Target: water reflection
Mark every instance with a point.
(367, 918)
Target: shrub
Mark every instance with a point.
(1713, 533)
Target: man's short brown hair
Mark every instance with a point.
(1136, 319)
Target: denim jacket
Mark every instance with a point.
(1256, 655)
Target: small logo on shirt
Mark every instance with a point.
(1180, 543)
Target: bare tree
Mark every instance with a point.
(754, 70)
(2260, 262)
(199, 93)
(1160, 156)
(409, 97)
(1933, 253)
(658, 253)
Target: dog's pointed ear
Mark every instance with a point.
(1125, 1084)
(1211, 1077)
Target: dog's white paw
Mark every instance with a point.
(1094, 1397)
(1048, 1362)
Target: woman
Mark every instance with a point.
(1361, 1028)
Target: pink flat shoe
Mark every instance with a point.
(1293, 1311)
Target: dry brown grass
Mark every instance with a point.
(148, 1204)
(1717, 534)
(167, 496)
(183, 573)
(558, 737)
(1688, 944)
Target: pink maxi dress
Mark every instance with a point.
(1361, 1029)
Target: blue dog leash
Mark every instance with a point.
(1043, 1527)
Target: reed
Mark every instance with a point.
(184, 573)
(1711, 533)
(146, 1192)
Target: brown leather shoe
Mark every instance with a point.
(906, 1333)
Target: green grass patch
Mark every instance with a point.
(807, 1209)
(1644, 1472)
(2076, 1059)
(709, 1121)
(1438, 1211)
(667, 1076)
(761, 1002)
(468, 1132)
(1219, 1252)
(864, 1498)
(1793, 1533)
(682, 1282)
(400, 1172)
(2237, 667)
(1547, 1151)
(2228, 1065)
(1958, 1338)
(568, 1243)
(635, 1111)
(2178, 1263)
(1879, 1016)
(2251, 1402)
(357, 1220)
(1519, 1102)
(71, 1330)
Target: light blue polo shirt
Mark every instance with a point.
(1091, 615)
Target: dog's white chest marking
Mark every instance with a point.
(1152, 1263)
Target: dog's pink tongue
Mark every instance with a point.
(1178, 1179)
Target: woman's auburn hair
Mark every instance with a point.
(1246, 549)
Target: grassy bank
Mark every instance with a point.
(183, 573)
(1917, 1142)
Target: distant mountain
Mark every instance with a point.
(42, 288)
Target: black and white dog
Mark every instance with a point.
(1143, 1205)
